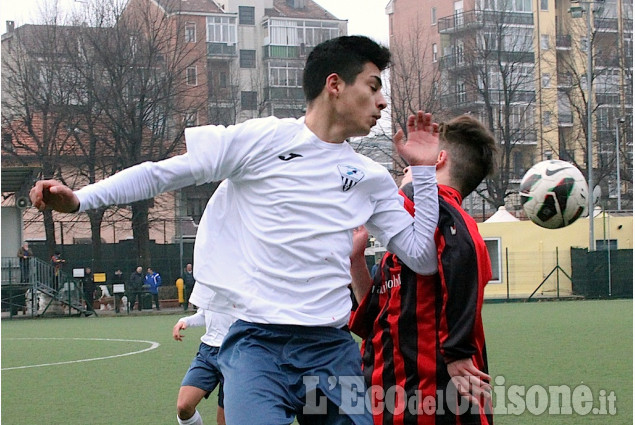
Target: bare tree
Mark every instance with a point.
(491, 74)
(611, 80)
(37, 92)
(137, 97)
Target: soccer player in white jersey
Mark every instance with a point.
(204, 374)
(274, 246)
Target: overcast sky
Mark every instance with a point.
(365, 17)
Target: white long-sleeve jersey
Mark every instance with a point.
(274, 242)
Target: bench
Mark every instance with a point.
(170, 303)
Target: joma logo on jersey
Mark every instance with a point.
(350, 176)
(388, 284)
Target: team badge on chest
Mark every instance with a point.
(350, 176)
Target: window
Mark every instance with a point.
(191, 76)
(248, 100)
(459, 52)
(190, 33)
(461, 96)
(223, 79)
(494, 251)
(435, 52)
(584, 44)
(221, 29)
(433, 16)
(546, 118)
(544, 4)
(546, 80)
(544, 41)
(190, 119)
(246, 15)
(605, 245)
(247, 58)
(285, 76)
(286, 32)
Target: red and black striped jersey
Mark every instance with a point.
(414, 325)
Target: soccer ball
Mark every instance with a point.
(554, 194)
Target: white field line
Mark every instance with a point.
(153, 345)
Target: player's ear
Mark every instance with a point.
(442, 159)
(333, 84)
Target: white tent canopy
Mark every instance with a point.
(501, 216)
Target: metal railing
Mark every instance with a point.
(32, 285)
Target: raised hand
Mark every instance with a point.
(53, 195)
(422, 145)
(360, 237)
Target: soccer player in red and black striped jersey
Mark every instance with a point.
(423, 352)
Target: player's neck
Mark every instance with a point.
(321, 120)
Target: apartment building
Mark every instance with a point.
(234, 60)
(521, 67)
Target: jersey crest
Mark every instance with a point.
(350, 176)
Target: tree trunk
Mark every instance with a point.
(96, 217)
(49, 231)
(141, 231)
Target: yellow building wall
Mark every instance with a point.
(527, 253)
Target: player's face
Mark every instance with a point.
(361, 103)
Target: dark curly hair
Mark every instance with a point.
(345, 56)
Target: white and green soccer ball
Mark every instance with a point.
(554, 194)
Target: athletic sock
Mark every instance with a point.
(194, 420)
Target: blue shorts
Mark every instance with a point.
(274, 373)
(204, 372)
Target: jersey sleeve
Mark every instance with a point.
(141, 181)
(459, 275)
(197, 319)
(219, 152)
(415, 244)
(389, 216)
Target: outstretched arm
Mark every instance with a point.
(141, 181)
(415, 245)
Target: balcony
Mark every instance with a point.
(286, 52)
(563, 42)
(607, 98)
(287, 94)
(605, 24)
(565, 80)
(479, 18)
(470, 97)
(606, 61)
(464, 61)
(452, 62)
(565, 119)
(221, 50)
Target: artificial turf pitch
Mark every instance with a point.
(572, 344)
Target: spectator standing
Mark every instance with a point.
(117, 280)
(57, 262)
(152, 281)
(188, 285)
(135, 288)
(88, 287)
(24, 254)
